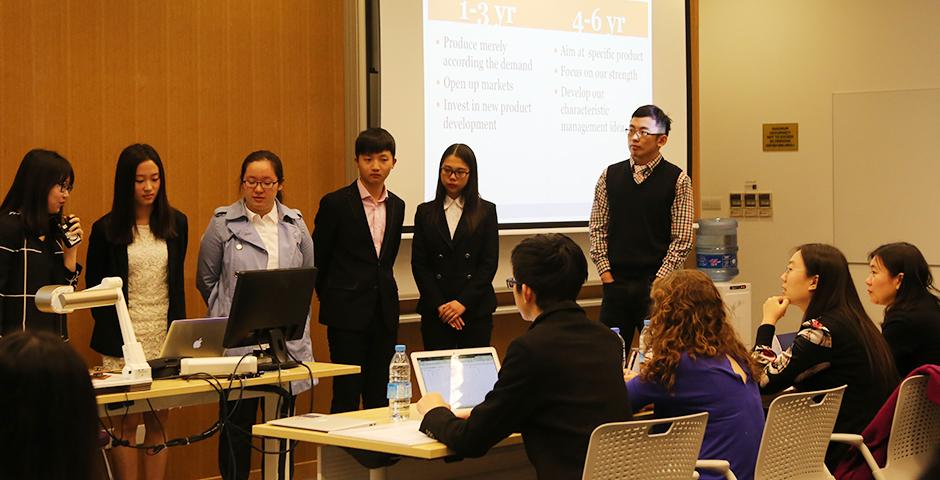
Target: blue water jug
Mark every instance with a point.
(716, 248)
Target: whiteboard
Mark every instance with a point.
(886, 171)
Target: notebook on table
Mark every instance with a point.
(322, 423)
(463, 377)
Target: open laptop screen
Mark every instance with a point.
(462, 377)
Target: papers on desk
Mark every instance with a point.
(399, 433)
(322, 423)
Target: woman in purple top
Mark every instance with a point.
(697, 365)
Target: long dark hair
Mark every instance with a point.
(917, 282)
(123, 220)
(470, 193)
(258, 156)
(50, 424)
(39, 171)
(835, 296)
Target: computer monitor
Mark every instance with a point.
(270, 306)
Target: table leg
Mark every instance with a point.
(272, 461)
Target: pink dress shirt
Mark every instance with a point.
(375, 214)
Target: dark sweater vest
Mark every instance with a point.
(640, 219)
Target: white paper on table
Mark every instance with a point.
(401, 433)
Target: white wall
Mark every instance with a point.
(768, 62)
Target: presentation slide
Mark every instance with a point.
(541, 90)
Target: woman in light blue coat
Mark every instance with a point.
(255, 233)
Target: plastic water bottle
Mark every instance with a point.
(641, 344)
(399, 385)
(716, 248)
(645, 350)
(623, 347)
(641, 352)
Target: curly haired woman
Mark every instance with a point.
(698, 364)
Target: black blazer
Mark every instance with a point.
(559, 381)
(106, 259)
(459, 269)
(913, 334)
(352, 280)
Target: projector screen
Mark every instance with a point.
(541, 90)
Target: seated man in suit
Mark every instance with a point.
(559, 380)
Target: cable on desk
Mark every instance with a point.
(223, 393)
(154, 449)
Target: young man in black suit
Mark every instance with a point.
(559, 380)
(356, 235)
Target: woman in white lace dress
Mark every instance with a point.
(143, 241)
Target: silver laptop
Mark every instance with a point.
(196, 337)
(463, 377)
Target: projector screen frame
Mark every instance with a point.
(370, 43)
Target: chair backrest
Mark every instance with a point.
(915, 430)
(796, 435)
(663, 449)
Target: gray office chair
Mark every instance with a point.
(797, 434)
(915, 434)
(625, 450)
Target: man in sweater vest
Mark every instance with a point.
(641, 222)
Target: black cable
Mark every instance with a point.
(153, 413)
(154, 449)
(224, 414)
(309, 375)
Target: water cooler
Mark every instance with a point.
(737, 296)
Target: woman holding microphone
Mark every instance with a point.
(38, 244)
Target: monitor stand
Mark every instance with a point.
(277, 352)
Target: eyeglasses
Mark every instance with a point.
(641, 133)
(65, 187)
(458, 172)
(512, 283)
(265, 184)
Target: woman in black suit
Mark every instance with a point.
(454, 256)
(143, 241)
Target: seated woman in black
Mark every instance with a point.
(900, 280)
(837, 343)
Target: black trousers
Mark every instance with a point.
(438, 335)
(626, 304)
(372, 349)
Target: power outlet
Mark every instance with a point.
(736, 204)
(711, 203)
(750, 204)
(765, 206)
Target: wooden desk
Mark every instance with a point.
(175, 390)
(164, 394)
(507, 460)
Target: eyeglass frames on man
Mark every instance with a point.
(631, 132)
